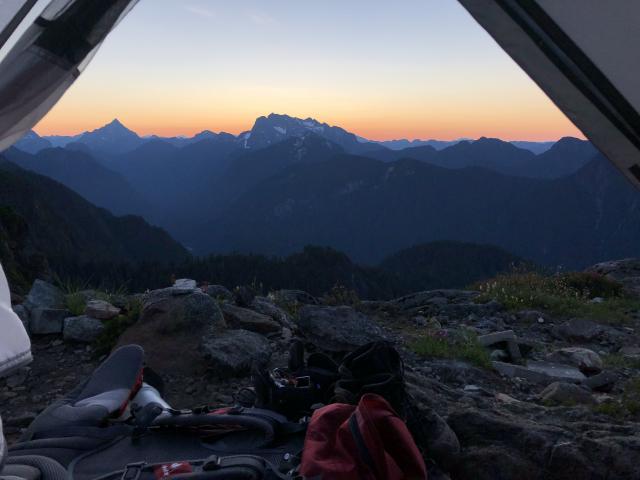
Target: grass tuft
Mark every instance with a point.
(462, 345)
(115, 327)
(566, 295)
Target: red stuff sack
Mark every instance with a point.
(367, 442)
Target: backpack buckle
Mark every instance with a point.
(212, 463)
(133, 471)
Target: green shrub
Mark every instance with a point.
(592, 285)
(341, 295)
(115, 327)
(618, 360)
(567, 295)
(462, 345)
(75, 303)
(627, 405)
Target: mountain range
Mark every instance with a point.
(290, 182)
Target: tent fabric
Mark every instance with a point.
(15, 346)
(12, 12)
(585, 57)
(49, 57)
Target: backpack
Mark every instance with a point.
(368, 442)
(115, 425)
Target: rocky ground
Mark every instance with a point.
(529, 394)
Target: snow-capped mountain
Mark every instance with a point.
(275, 128)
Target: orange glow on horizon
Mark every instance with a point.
(448, 126)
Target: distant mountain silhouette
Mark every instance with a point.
(32, 143)
(113, 138)
(62, 229)
(566, 156)
(290, 182)
(370, 209)
(80, 172)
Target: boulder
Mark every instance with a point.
(578, 330)
(602, 382)
(234, 352)
(531, 316)
(540, 372)
(506, 339)
(44, 295)
(101, 310)
(243, 318)
(219, 292)
(626, 272)
(266, 307)
(557, 371)
(588, 361)
(567, 394)
(337, 329)
(243, 295)
(23, 315)
(183, 286)
(292, 297)
(170, 313)
(47, 321)
(172, 328)
(82, 329)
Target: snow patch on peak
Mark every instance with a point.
(280, 130)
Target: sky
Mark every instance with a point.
(381, 69)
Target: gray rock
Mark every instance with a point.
(82, 329)
(630, 350)
(219, 292)
(289, 297)
(507, 338)
(186, 283)
(101, 310)
(588, 361)
(337, 328)
(626, 272)
(540, 372)
(531, 316)
(17, 379)
(602, 382)
(243, 295)
(43, 295)
(426, 298)
(23, 315)
(170, 313)
(579, 330)
(47, 321)
(172, 328)
(263, 305)
(184, 286)
(243, 318)
(557, 371)
(567, 394)
(234, 352)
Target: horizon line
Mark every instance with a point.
(377, 140)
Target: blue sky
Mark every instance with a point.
(383, 69)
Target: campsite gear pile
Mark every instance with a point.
(116, 425)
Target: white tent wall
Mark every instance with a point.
(15, 346)
(584, 55)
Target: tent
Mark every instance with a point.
(584, 55)
(15, 347)
(45, 46)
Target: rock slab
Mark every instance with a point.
(338, 329)
(235, 352)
